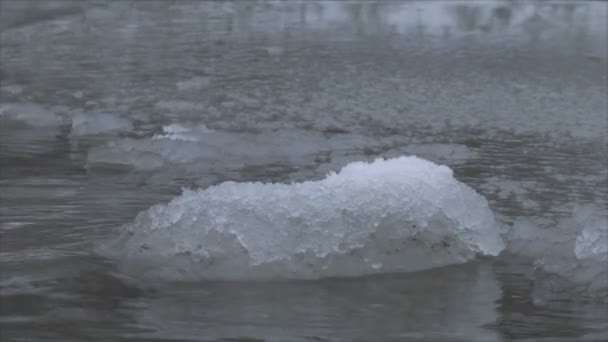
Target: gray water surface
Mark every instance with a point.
(511, 95)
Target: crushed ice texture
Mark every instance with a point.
(193, 146)
(179, 132)
(395, 215)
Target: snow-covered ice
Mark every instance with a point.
(396, 215)
(176, 131)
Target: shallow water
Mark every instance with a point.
(511, 96)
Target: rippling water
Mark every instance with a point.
(511, 95)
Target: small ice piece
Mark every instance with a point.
(92, 123)
(31, 114)
(176, 131)
(122, 154)
(576, 249)
(592, 241)
(195, 83)
(396, 215)
(274, 50)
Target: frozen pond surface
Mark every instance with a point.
(109, 108)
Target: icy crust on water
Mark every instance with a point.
(196, 144)
(396, 215)
(576, 251)
(193, 146)
(82, 124)
(31, 114)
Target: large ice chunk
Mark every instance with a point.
(395, 215)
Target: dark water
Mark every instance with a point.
(511, 95)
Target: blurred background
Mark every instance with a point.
(109, 107)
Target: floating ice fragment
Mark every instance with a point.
(452, 154)
(191, 147)
(30, 114)
(179, 132)
(592, 241)
(195, 83)
(575, 250)
(13, 89)
(92, 123)
(396, 215)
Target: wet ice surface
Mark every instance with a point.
(396, 215)
(110, 108)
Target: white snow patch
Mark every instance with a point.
(176, 131)
(576, 249)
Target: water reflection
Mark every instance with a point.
(396, 308)
(521, 316)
